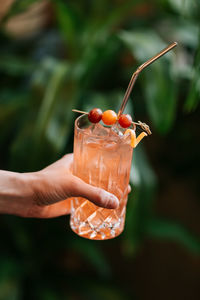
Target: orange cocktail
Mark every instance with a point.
(102, 157)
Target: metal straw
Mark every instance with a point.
(136, 73)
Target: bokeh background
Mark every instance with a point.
(58, 55)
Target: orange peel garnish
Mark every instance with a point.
(140, 137)
(135, 141)
(133, 136)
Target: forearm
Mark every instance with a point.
(13, 187)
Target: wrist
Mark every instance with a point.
(15, 188)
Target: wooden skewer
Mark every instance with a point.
(80, 111)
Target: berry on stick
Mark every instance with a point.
(95, 115)
(109, 117)
(125, 120)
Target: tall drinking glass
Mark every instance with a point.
(102, 158)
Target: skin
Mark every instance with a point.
(46, 193)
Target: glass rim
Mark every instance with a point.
(77, 120)
(85, 132)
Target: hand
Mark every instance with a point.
(41, 194)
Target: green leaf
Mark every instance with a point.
(110, 100)
(15, 66)
(185, 32)
(26, 154)
(142, 43)
(107, 291)
(194, 93)
(10, 273)
(161, 97)
(142, 172)
(140, 201)
(169, 230)
(49, 100)
(97, 60)
(92, 253)
(186, 7)
(71, 26)
(11, 105)
(118, 14)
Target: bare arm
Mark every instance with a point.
(38, 194)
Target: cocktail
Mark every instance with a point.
(102, 157)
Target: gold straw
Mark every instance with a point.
(136, 73)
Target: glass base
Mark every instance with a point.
(96, 223)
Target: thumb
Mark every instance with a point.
(98, 196)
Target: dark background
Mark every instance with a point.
(58, 55)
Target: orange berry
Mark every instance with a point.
(109, 117)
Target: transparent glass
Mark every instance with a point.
(103, 161)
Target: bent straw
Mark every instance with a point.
(136, 73)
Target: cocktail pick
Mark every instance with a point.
(137, 72)
(142, 125)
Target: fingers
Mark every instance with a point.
(96, 195)
(51, 211)
(55, 210)
(129, 189)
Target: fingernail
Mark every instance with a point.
(114, 201)
(111, 200)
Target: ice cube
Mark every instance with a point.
(117, 129)
(100, 130)
(110, 145)
(88, 130)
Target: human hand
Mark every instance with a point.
(41, 194)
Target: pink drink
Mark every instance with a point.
(101, 158)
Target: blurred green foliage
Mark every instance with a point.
(85, 58)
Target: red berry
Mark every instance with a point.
(125, 120)
(95, 115)
(109, 117)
